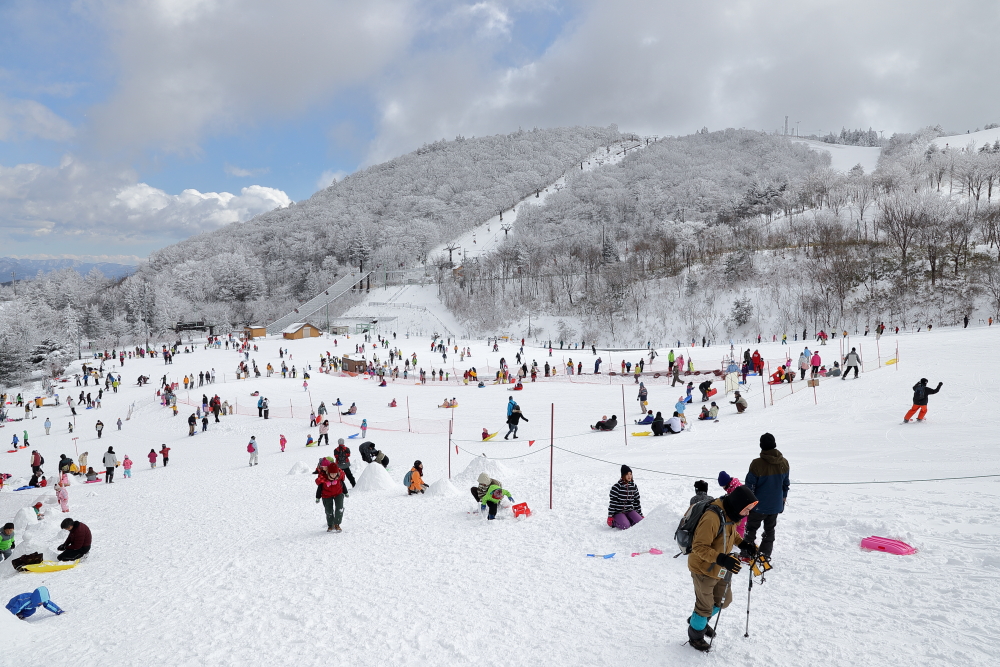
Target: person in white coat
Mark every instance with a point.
(110, 463)
(252, 448)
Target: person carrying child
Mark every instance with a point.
(330, 481)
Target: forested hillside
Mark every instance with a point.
(735, 233)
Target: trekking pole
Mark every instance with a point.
(749, 588)
(729, 580)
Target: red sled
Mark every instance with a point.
(712, 392)
(897, 547)
(521, 509)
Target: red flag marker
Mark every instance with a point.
(530, 443)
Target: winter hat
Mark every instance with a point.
(484, 478)
(724, 479)
(737, 501)
(340, 441)
(923, 380)
(767, 442)
(701, 486)
(625, 470)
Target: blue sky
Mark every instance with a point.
(126, 126)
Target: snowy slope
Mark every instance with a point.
(212, 562)
(962, 140)
(843, 158)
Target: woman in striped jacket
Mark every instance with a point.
(624, 511)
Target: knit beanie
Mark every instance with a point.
(737, 501)
(767, 442)
(340, 441)
(625, 470)
(724, 479)
(484, 478)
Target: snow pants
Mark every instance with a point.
(847, 369)
(919, 410)
(754, 522)
(711, 594)
(625, 520)
(109, 475)
(253, 457)
(334, 517)
(73, 554)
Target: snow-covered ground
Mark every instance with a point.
(960, 141)
(212, 562)
(843, 158)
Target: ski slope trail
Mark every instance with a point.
(487, 236)
(210, 561)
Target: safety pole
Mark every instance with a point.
(408, 429)
(552, 448)
(624, 418)
(815, 400)
(450, 422)
(291, 409)
(763, 386)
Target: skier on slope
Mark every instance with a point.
(852, 360)
(711, 563)
(920, 393)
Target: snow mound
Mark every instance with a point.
(15, 631)
(658, 527)
(300, 468)
(481, 464)
(376, 478)
(443, 487)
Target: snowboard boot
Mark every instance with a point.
(696, 638)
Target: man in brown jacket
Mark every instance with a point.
(711, 563)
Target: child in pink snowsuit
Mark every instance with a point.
(283, 442)
(127, 465)
(62, 494)
(152, 458)
(730, 484)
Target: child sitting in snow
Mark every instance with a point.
(309, 441)
(393, 404)
(91, 475)
(486, 434)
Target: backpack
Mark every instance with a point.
(408, 479)
(684, 535)
(250, 448)
(41, 460)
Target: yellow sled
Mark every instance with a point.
(491, 436)
(890, 362)
(642, 433)
(51, 566)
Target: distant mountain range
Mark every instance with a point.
(25, 269)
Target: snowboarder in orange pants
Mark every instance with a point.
(920, 393)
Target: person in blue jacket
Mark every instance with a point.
(648, 419)
(25, 604)
(768, 479)
(510, 405)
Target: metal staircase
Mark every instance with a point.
(317, 303)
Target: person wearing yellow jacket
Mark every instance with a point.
(416, 479)
(711, 563)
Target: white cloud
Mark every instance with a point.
(27, 119)
(233, 170)
(98, 202)
(192, 67)
(329, 177)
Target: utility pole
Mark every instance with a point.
(451, 247)
(13, 283)
(506, 228)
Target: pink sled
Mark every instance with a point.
(888, 546)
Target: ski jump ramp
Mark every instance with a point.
(319, 302)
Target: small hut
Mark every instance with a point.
(301, 330)
(254, 331)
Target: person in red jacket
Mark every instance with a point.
(77, 544)
(331, 486)
(165, 453)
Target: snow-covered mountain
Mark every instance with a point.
(28, 268)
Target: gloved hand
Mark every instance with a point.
(512, 499)
(728, 562)
(317, 500)
(610, 522)
(750, 549)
